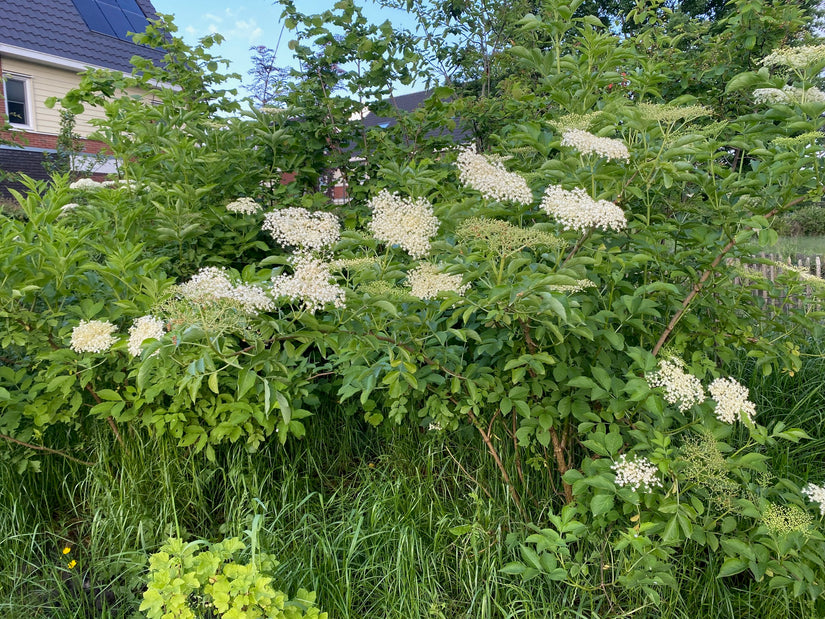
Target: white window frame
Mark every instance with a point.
(27, 93)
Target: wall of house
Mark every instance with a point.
(48, 82)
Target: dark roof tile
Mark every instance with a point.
(55, 27)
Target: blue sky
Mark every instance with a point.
(247, 23)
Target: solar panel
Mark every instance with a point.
(127, 5)
(137, 21)
(93, 16)
(112, 17)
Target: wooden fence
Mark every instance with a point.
(806, 264)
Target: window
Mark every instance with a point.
(112, 17)
(17, 96)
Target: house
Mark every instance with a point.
(400, 105)
(44, 44)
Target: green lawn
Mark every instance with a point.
(804, 245)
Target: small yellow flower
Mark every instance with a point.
(66, 550)
(72, 563)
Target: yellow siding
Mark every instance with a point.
(48, 82)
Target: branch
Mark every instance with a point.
(111, 421)
(46, 449)
(697, 287)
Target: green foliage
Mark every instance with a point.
(527, 300)
(805, 221)
(188, 582)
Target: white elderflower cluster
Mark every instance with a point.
(581, 284)
(680, 388)
(144, 328)
(244, 206)
(488, 176)
(121, 183)
(789, 94)
(310, 284)
(795, 57)
(408, 223)
(636, 473)
(212, 284)
(587, 143)
(575, 210)
(93, 336)
(69, 207)
(426, 282)
(817, 495)
(86, 184)
(253, 299)
(731, 400)
(301, 228)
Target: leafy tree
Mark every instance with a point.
(269, 82)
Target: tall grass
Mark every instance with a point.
(381, 523)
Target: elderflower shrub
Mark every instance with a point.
(408, 223)
(487, 175)
(298, 227)
(144, 328)
(426, 282)
(587, 143)
(547, 355)
(93, 336)
(575, 210)
(732, 401)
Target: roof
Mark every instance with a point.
(409, 103)
(57, 28)
(403, 103)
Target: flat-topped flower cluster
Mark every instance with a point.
(309, 284)
(306, 230)
(244, 206)
(636, 474)
(405, 222)
(680, 388)
(732, 401)
(795, 57)
(488, 176)
(427, 282)
(587, 143)
(789, 94)
(212, 284)
(575, 210)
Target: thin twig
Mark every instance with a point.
(111, 421)
(491, 448)
(561, 462)
(46, 449)
(463, 470)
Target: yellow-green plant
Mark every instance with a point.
(197, 579)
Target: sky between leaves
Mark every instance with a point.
(248, 23)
